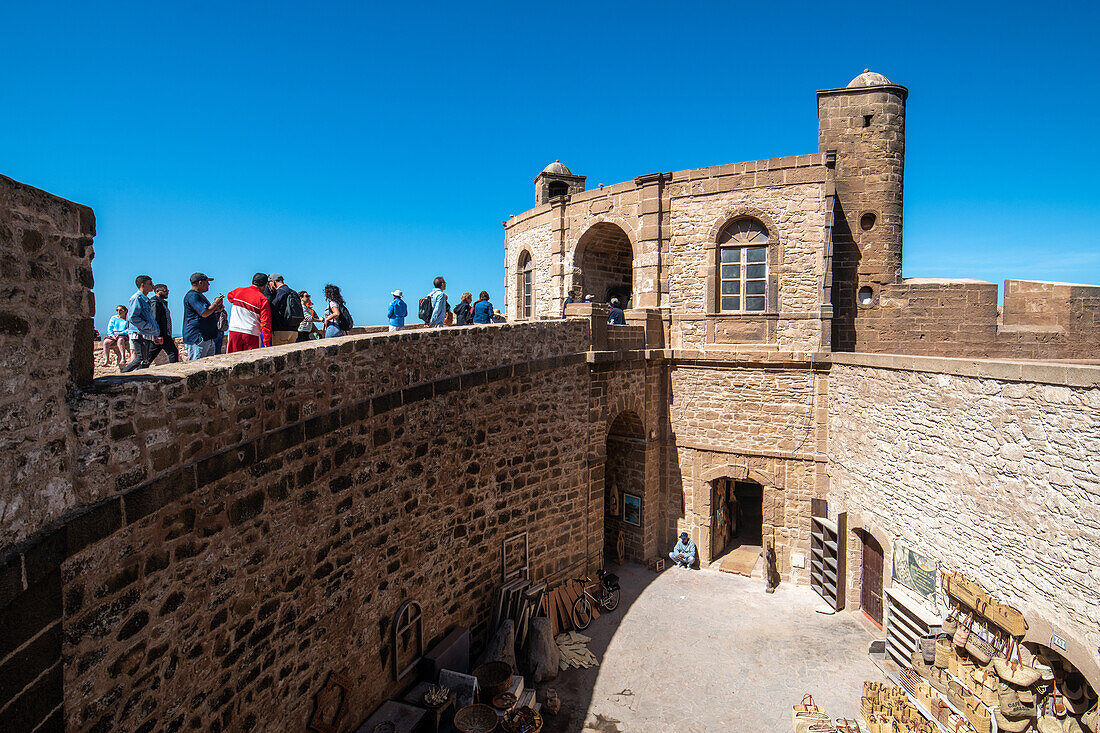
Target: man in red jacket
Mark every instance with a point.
(250, 319)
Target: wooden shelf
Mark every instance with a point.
(827, 568)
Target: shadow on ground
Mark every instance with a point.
(704, 651)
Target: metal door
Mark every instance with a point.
(870, 597)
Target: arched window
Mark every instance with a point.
(743, 263)
(525, 276)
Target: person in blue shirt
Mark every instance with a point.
(684, 552)
(398, 311)
(200, 319)
(440, 306)
(483, 309)
(615, 315)
(144, 331)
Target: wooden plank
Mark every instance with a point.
(565, 620)
(552, 614)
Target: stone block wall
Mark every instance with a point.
(45, 353)
(241, 526)
(748, 421)
(935, 317)
(988, 467)
(45, 347)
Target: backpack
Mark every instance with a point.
(293, 312)
(344, 321)
(425, 312)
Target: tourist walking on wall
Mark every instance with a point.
(397, 312)
(286, 311)
(200, 319)
(164, 322)
(615, 315)
(337, 316)
(464, 311)
(483, 309)
(309, 318)
(437, 300)
(117, 340)
(144, 331)
(250, 317)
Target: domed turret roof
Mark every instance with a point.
(869, 79)
(556, 168)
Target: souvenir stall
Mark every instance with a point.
(969, 668)
(963, 662)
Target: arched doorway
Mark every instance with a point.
(871, 577)
(605, 259)
(624, 489)
(736, 521)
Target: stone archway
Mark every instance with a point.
(604, 261)
(625, 501)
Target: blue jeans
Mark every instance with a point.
(332, 331)
(201, 349)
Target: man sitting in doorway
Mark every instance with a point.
(684, 552)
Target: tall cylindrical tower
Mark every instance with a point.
(864, 123)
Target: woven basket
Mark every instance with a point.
(476, 718)
(945, 652)
(493, 678)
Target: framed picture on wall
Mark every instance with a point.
(632, 509)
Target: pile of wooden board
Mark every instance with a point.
(559, 606)
(519, 599)
(574, 653)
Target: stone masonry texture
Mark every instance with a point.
(197, 546)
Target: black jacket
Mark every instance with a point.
(464, 314)
(279, 321)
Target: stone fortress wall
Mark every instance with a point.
(990, 467)
(198, 545)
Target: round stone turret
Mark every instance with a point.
(869, 79)
(556, 182)
(556, 168)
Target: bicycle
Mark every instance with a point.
(606, 597)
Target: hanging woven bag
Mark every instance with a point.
(980, 650)
(1010, 724)
(1013, 670)
(963, 632)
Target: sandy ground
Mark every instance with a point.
(706, 651)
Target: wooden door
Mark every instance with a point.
(870, 597)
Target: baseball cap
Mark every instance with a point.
(683, 535)
(198, 276)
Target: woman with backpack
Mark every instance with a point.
(464, 311)
(337, 317)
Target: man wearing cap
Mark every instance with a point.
(250, 317)
(684, 552)
(200, 319)
(398, 311)
(287, 312)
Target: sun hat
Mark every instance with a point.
(396, 293)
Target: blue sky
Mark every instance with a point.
(377, 145)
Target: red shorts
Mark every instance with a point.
(242, 342)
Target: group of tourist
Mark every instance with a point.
(615, 314)
(266, 313)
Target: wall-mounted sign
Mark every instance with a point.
(916, 572)
(1057, 642)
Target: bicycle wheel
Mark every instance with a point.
(609, 599)
(582, 613)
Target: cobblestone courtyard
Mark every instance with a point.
(705, 651)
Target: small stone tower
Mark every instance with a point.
(554, 181)
(864, 123)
